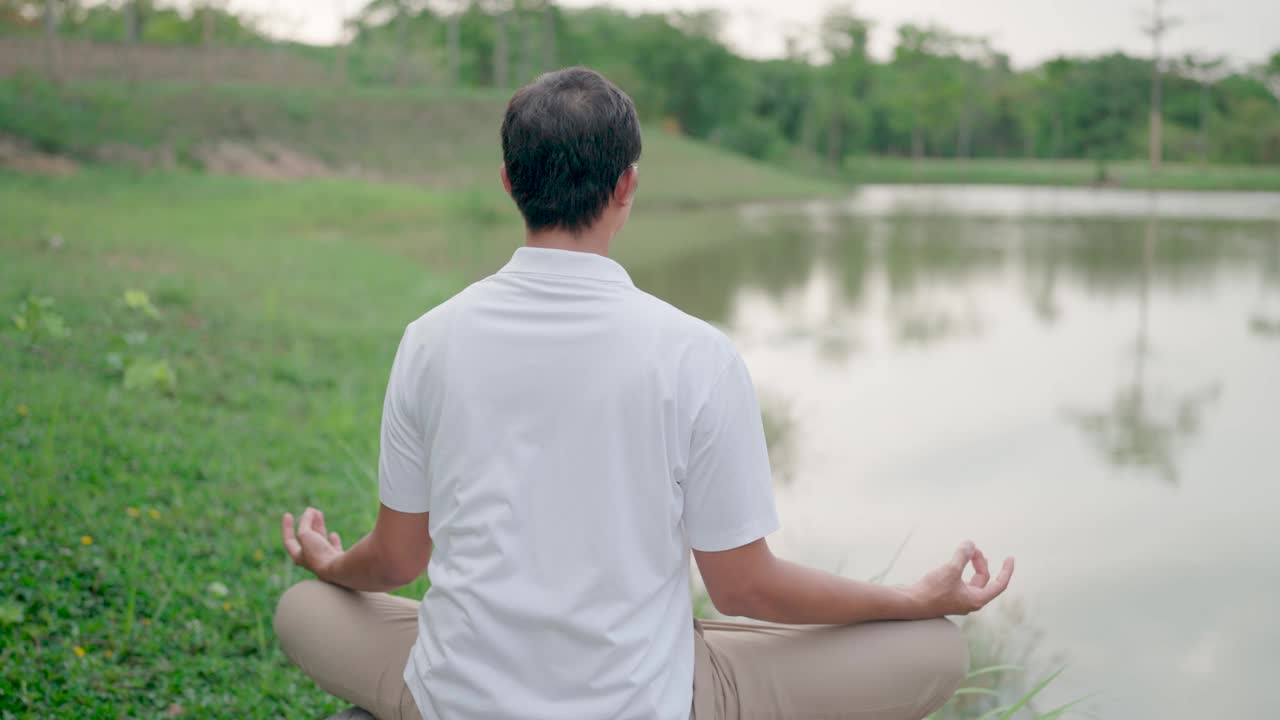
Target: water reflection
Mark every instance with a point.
(990, 373)
(1131, 433)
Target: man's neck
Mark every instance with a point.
(592, 240)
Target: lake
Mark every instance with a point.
(1086, 379)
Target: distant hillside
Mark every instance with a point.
(444, 139)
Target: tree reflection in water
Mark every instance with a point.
(1137, 430)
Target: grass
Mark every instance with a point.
(148, 453)
(140, 514)
(1127, 174)
(142, 563)
(445, 141)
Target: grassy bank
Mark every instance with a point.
(436, 139)
(148, 451)
(1127, 174)
(194, 355)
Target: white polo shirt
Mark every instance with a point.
(572, 438)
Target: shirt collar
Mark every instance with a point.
(566, 263)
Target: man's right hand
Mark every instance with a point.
(945, 592)
(311, 546)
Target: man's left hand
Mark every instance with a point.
(311, 546)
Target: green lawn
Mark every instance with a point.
(440, 140)
(140, 518)
(1127, 174)
(126, 512)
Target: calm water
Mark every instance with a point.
(1087, 379)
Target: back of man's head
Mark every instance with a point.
(567, 138)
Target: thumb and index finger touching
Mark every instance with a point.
(985, 588)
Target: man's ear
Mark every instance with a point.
(624, 192)
(506, 181)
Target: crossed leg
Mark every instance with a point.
(355, 646)
(871, 671)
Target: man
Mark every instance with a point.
(563, 440)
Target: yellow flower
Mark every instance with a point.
(79, 651)
(226, 606)
(107, 653)
(23, 410)
(86, 540)
(133, 512)
(257, 555)
(154, 514)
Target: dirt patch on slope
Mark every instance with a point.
(264, 160)
(20, 156)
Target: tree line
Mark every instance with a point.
(940, 94)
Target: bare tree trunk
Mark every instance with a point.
(133, 37)
(834, 149)
(501, 52)
(964, 137)
(207, 27)
(52, 51)
(1156, 122)
(1204, 121)
(1058, 131)
(402, 32)
(454, 41)
(133, 21)
(344, 44)
(549, 37)
(528, 45)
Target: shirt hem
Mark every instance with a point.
(743, 535)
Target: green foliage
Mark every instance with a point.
(11, 613)
(983, 701)
(940, 94)
(139, 371)
(36, 319)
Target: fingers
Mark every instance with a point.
(313, 519)
(981, 572)
(335, 541)
(962, 555)
(998, 585)
(291, 544)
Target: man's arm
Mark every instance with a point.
(750, 581)
(391, 556)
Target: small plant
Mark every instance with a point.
(151, 375)
(140, 372)
(37, 320)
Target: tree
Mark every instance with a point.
(844, 84)
(52, 50)
(1205, 70)
(501, 44)
(922, 89)
(1158, 25)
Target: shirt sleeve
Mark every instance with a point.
(728, 489)
(403, 482)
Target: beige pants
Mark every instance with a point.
(355, 645)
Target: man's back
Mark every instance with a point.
(564, 426)
(563, 441)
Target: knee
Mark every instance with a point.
(948, 663)
(292, 610)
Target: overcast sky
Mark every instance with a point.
(1030, 31)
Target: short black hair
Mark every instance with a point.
(566, 139)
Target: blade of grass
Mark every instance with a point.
(1059, 711)
(976, 691)
(1028, 697)
(893, 560)
(994, 669)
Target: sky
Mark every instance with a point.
(1029, 31)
